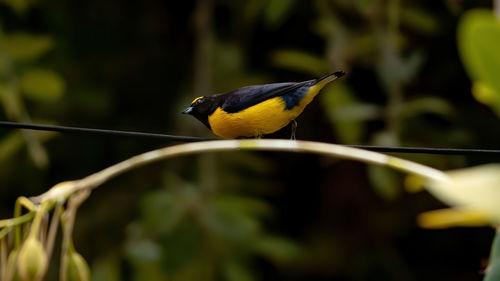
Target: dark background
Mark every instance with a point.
(241, 215)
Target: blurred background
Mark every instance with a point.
(244, 216)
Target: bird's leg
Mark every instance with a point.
(294, 129)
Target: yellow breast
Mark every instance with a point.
(261, 119)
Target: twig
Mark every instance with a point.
(17, 220)
(20, 202)
(69, 219)
(76, 192)
(64, 190)
(51, 236)
(3, 257)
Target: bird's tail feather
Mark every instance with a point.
(330, 77)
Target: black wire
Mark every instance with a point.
(428, 150)
(85, 131)
(115, 133)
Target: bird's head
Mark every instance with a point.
(202, 107)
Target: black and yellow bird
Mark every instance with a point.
(254, 111)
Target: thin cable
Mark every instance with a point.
(115, 133)
(84, 131)
(428, 150)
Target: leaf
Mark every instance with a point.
(479, 42)
(42, 85)
(493, 271)
(162, 210)
(278, 249)
(427, 105)
(410, 65)
(252, 11)
(198, 269)
(37, 152)
(230, 222)
(180, 246)
(276, 12)
(247, 205)
(419, 20)
(300, 61)
(13, 142)
(343, 109)
(25, 47)
(413, 183)
(19, 6)
(106, 268)
(476, 188)
(10, 145)
(364, 6)
(363, 45)
(385, 181)
(485, 94)
(143, 251)
(450, 217)
(228, 59)
(235, 271)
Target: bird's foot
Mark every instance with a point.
(294, 129)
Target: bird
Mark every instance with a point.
(258, 110)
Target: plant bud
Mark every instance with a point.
(32, 260)
(78, 269)
(11, 269)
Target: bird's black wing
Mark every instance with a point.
(245, 97)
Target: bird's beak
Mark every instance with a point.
(188, 110)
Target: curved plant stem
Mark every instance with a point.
(76, 192)
(51, 236)
(3, 257)
(17, 220)
(493, 271)
(68, 221)
(64, 190)
(20, 202)
(37, 221)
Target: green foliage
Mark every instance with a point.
(176, 203)
(42, 85)
(182, 228)
(19, 79)
(419, 20)
(180, 246)
(10, 144)
(300, 61)
(426, 105)
(144, 251)
(19, 6)
(348, 113)
(385, 181)
(493, 270)
(276, 11)
(478, 42)
(278, 249)
(134, 67)
(228, 221)
(106, 268)
(234, 271)
(25, 47)
(78, 269)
